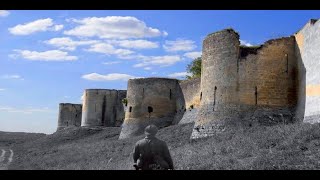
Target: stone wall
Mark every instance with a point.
(102, 107)
(308, 53)
(192, 97)
(150, 101)
(69, 115)
(240, 82)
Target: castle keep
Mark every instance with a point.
(278, 81)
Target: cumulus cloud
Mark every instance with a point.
(147, 68)
(179, 45)
(120, 27)
(108, 49)
(28, 110)
(111, 62)
(52, 55)
(4, 13)
(179, 74)
(193, 55)
(135, 44)
(2, 89)
(246, 43)
(39, 25)
(107, 77)
(14, 76)
(158, 60)
(67, 43)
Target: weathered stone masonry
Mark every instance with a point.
(102, 107)
(69, 115)
(238, 81)
(278, 81)
(150, 101)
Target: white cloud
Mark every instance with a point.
(111, 62)
(179, 74)
(147, 68)
(165, 33)
(58, 27)
(193, 55)
(243, 42)
(39, 25)
(2, 89)
(179, 45)
(121, 27)
(108, 77)
(4, 13)
(52, 55)
(108, 49)
(158, 60)
(28, 110)
(67, 43)
(135, 44)
(15, 76)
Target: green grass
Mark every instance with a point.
(292, 146)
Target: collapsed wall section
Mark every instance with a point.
(150, 101)
(69, 115)
(102, 107)
(308, 53)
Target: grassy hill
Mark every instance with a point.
(292, 146)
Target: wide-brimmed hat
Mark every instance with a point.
(151, 130)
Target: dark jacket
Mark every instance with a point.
(151, 150)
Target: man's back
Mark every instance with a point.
(151, 150)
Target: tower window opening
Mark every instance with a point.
(150, 109)
(200, 96)
(170, 94)
(130, 109)
(256, 94)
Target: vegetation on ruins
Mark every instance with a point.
(194, 68)
(125, 101)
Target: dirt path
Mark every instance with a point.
(5, 158)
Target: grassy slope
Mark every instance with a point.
(8, 139)
(292, 146)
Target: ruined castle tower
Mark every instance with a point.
(150, 101)
(69, 115)
(308, 53)
(239, 81)
(102, 107)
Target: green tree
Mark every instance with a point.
(194, 68)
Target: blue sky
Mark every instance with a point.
(50, 57)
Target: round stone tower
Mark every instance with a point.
(69, 115)
(101, 107)
(220, 54)
(150, 101)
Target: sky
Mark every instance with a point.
(51, 57)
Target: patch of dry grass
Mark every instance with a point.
(291, 146)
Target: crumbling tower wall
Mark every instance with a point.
(69, 115)
(102, 107)
(150, 101)
(239, 82)
(308, 53)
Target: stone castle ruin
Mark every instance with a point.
(276, 82)
(69, 115)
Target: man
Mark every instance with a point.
(151, 153)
